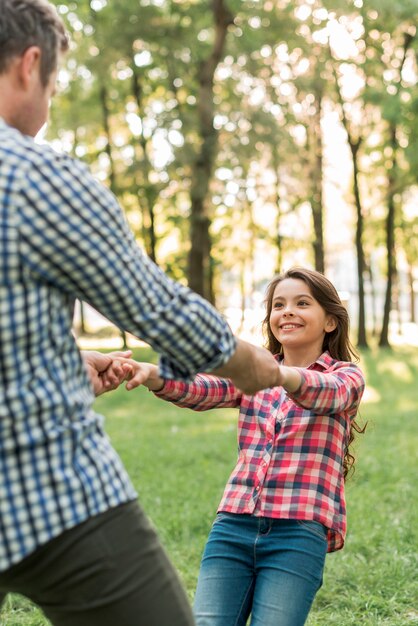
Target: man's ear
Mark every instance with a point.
(330, 324)
(29, 66)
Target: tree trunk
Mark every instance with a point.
(361, 264)
(150, 195)
(279, 238)
(82, 327)
(106, 126)
(412, 314)
(108, 149)
(243, 295)
(390, 242)
(390, 220)
(373, 298)
(317, 180)
(199, 262)
(354, 145)
(251, 251)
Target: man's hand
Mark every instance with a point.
(106, 371)
(251, 368)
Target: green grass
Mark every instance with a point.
(179, 461)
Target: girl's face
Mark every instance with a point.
(297, 320)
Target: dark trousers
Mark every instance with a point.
(108, 571)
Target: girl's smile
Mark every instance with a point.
(287, 326)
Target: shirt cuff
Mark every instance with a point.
(221, 354)
(169, 389)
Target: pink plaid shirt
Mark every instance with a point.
(290, 446)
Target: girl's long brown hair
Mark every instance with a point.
(337, 342)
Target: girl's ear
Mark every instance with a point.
(330, 324)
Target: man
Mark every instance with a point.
(72, 535)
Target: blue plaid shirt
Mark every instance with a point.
(63, 236)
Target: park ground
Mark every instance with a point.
(179, 462)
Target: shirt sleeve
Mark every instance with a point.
(74, 238)
(333, 391)
(203, 393)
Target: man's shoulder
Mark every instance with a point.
(24, 151)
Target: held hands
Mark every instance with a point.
(250, 368)
(107, 371)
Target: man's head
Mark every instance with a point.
(26, 23)
(32, 38)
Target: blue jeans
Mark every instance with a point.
(269, 568)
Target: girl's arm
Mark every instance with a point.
(338, 389)
(289, 378)
(203, 393)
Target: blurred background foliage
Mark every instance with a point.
(245, 136)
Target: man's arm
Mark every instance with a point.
(74, 236)
(250, 369)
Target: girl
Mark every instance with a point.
(283, 507)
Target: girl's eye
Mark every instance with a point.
(277, 305)
(303, 303)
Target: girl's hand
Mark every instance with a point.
(144, 374)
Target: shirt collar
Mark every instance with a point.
(323, 362)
